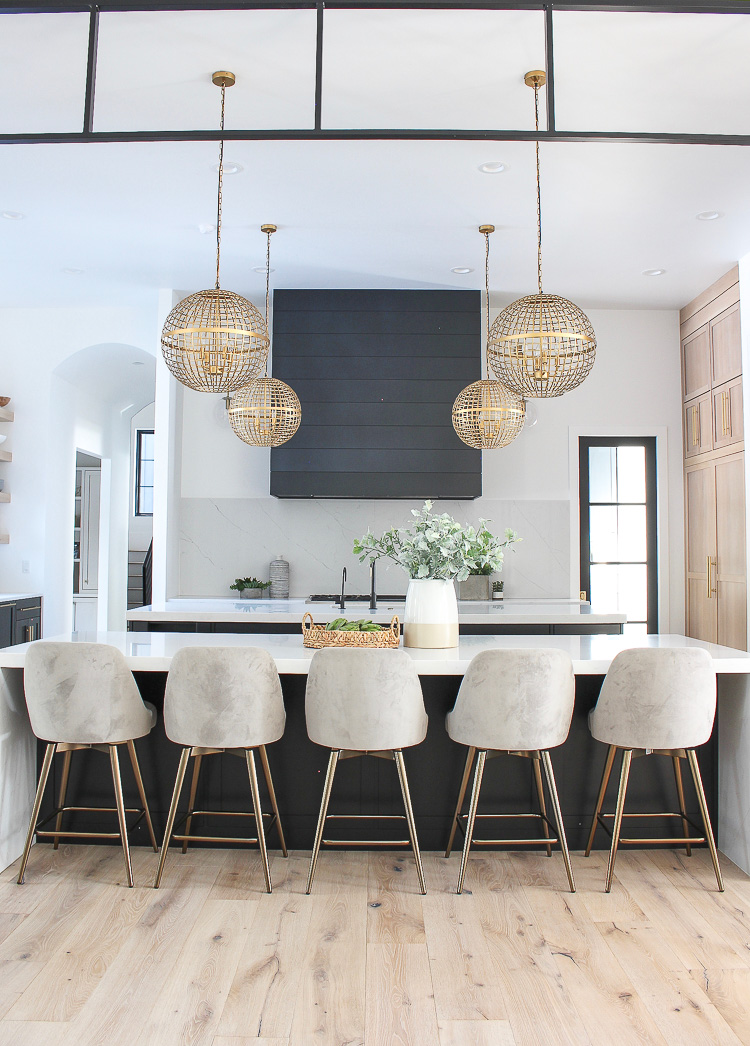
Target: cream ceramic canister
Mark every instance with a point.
(431, 614)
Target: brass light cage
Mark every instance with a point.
(267, 412)
(215, 340)
(541, 345)
(486, 415)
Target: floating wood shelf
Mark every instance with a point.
(4, 497)
(6, 415)
(5, 455)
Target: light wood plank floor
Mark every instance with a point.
(211, 960)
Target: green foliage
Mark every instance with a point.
(437, 546)
(241, 583)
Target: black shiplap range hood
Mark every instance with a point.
(377, 372)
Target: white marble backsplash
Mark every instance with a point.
(225, 538)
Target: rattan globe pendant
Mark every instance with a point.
(541, 345)
(486, 415)
(267, 412)
(215, 340)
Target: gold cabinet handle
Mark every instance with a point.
(694, 415)
(708, 577)
(729, 412)
(723, 414)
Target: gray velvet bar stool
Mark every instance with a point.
(655, 702)
(365, 702)
(513, 702)
(223, 699)
(82, 696)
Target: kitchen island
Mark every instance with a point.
(370, 785)
(284, 616)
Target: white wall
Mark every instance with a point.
(229, 525)
(53, 418)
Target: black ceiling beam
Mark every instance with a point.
(374, 134)
(107, 6)
(88, 105)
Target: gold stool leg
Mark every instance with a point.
(558, 816)
(627, 756)
(272, 797)
(49, 752)
(120, 803)
(249, 755)
(179, 780)
(542, 804)
(141, 792)
(681, 798)
(600, 798)
(191, 800)
(698, 780)
(63, 792)
(473, 803)
(461, 793)
(398, 755)
(332, 761)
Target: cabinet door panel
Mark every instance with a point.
(698, 426)
(6, 625)
(730, 518)
(696, 364)
(726, 347)
(731, 602)
(727, 414)
(700, 495)
(89, 575)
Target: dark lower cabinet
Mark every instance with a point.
(20, 621)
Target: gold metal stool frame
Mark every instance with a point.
(627, 756)
(540, 758)
(398, 757)
(120, 809)
(198, 754)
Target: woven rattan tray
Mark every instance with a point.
(317, 636)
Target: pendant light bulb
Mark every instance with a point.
(215, 340)
(486, 415)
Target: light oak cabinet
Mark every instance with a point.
(714, 461)
(715, 546)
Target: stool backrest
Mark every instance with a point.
(656, 699)
(82, 693)
(223, 697)
(364, 700)
(514, 700)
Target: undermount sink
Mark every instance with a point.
(355, 599)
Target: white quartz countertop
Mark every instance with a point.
(511, 612)
(10, 597)
(591, 655)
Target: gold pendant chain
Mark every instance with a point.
(538, 194)
(221, 183)
(268, 293)
(487, 296)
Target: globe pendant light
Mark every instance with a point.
(267, 412)
(215, 340)
(486, 415)
(541, 345)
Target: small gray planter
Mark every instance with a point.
(251, 593)
(476, 587)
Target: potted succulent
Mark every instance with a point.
(497, 589)
(249, 587)
(435, 551)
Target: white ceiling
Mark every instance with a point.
(373, 214)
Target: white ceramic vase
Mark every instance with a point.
(431, 614)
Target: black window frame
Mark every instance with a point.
(584, 504)
(138, 443)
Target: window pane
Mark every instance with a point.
(631, 533)
(147, 474)
(146, 500)
(147, 445)
(636, 629)
(603, 533)
(631, 474)
(602, 474)
(622, 588)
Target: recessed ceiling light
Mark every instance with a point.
(138, 363)
(653, 272)
(708, 216)
(72, 272)
(461, 270)
(230, 167)
(493, 167)
(13, 216)
(205, 228)
(262, 269)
